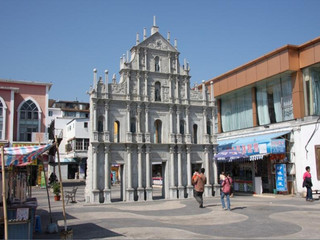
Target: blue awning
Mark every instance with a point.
(257, 144)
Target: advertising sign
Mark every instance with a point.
(281, 177)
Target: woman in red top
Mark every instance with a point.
(308, 184)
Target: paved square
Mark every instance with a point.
(266, 217)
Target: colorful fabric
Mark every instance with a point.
(21, 156)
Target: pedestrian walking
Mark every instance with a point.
(226, 190)
(53, 178)
(199, 181)
(308, 184)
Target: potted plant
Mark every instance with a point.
(56, 190)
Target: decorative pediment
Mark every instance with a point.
(158, 42)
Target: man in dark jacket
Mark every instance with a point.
(200, 180)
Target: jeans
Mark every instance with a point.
(309, 193)
(199, 198)
(228, 200)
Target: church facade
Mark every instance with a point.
(150, 117)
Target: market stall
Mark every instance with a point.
(18, 207)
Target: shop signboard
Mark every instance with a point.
(273, 146)
(281, 177)
(278, 146)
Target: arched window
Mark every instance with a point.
(2, 116)
(182, 126)
(158, 129)
(157, 91)
(100, 123)
(116, 131)
(157, 64)
(133, 125)
(28, 120)
(195, 133)
(209, 127)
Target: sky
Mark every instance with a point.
(62, 41)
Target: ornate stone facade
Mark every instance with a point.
(150, 116)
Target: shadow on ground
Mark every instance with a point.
(80, 231)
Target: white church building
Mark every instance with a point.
(150, 117)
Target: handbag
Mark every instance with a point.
(231, 187)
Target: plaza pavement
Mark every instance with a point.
(251, 217)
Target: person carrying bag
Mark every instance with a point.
(226, 191)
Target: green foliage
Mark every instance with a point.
(56, 188)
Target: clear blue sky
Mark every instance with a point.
(63, 41)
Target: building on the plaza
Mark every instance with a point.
(23, 115)
(69, 122)
(23, 111)
(269, 109)
(150, 124)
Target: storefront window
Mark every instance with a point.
(235, 106)
(311, 79)
(274, 100)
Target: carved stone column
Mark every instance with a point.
(130, 190)
(107, 173)
(147, 134)
(216, 184)
(148, 175)
(181, 191)
(170, 64)
(176, 60)
(179, 136)
(138, 59)
(140, 189)
(172, 137)
(129, 134)
(95, 191)
(146, 98)
(139, 134)
(94, 123)
(145, 59)
(213, 134)
(170, 89)
(187, 135)
(106, 114)
(173, 188)
(138, 87)
(189, 173)
(208, 186)
(177, 97)
(205, 134)
(128, 85)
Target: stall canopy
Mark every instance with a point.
(230, 155)
(21, 156)
(257, 146)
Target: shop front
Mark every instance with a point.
(17, 206)
(256, 170)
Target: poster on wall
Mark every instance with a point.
(281, 177)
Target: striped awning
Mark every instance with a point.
(21, 156)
